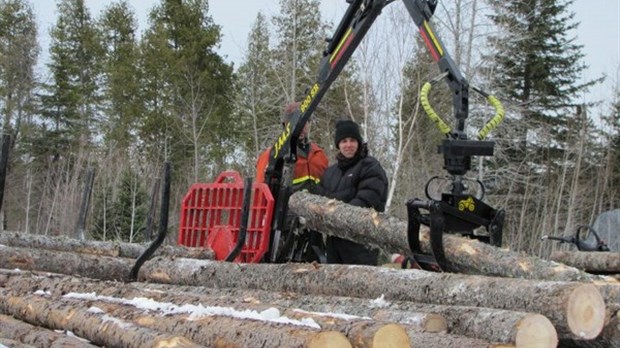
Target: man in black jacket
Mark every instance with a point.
(357, 179)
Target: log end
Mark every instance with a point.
(391, 335)
(536, 331)
(435, 323)
(175, 342)
(329, 339)
(585, 312)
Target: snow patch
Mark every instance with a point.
(43, 293)
(379, 302)
(333, 315)
(95, 310)
(197, 311)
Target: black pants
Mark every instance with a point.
(347, 252)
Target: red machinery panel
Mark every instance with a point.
(211, 215)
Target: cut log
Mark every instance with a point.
(13, 344)
(467, 256)
(592, 262)
(558, 301)
(490, 325)
(362, 333)
(116, 249)
(98, 328)
(86, 265)
(552, 299)
(208, 326)
(26, 334)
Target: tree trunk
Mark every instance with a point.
(493, 325)
(85, 265)
(467, 256)
(360, 329)
(573, 308)
(26, 334)
(86, 322)
(14, 344)
(116, 249)
(593, 262)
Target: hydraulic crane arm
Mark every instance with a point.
(358, 18)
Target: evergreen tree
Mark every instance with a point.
(188, 88)
(71, 103)
(124, 212)
(258, 100)
(121, 80)
(537, 65)
(18, 56)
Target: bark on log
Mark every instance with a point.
(486, 324)
(56, 285)
(116, 249)
(14, 344)
(360, 333)
(209, 330)
(573, 308)
(467, 256)
(86, 265)
(593, 262)
(96, 327)
(30, 335)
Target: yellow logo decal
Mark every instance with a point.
(467, 204)
(306, 103)
(282, 139)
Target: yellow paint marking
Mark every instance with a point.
(433, 38)
(342, 41)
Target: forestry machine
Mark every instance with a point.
(454, 212)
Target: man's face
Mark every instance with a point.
(348, 147)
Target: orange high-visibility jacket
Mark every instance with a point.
(306, 168)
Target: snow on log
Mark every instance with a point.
(27, 334)
(89, 323)
(362, 331)
(593, 262)
(117, 249)
(493, 325)
(467, 256)
(573, 308)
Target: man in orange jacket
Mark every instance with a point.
(309, 168)
(311, 159)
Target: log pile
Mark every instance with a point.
(64, 293)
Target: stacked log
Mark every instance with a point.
(498, 298)
(490, 324)
(16, 333)
(591, 262)
(113, 249)
(466, 256)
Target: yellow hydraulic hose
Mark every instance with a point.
(426, 105)
(492, 124)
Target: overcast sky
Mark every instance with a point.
(599, 29)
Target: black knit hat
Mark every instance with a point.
(347, 129)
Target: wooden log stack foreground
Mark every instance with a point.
(73, 294)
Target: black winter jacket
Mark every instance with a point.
(362, 183)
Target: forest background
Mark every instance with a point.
(120, 102)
